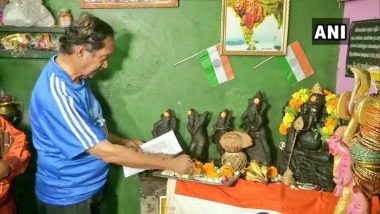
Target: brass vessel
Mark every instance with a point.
(10, 109)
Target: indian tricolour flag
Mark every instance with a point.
(244, 197)
(296, 64)
(217, 67)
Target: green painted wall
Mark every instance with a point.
(142, 82)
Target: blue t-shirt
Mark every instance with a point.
(66, 120)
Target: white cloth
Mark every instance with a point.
(27, 13)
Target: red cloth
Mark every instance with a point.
(276, 197)
(17, 157)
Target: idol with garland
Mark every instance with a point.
(310, 160)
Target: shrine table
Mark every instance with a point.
(251, 197)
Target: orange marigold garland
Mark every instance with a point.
(293, 109)
(211, 171)
(227, 171)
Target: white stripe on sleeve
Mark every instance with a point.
(71, 102)
(60, 85)
(56, 98)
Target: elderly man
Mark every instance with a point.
(69, 130)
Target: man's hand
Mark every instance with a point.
(6, 142)
(182, 164)
(5, 170)
(133, 144)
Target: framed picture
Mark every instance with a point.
(127, 3)
(254, 27)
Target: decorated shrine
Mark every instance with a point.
(184, 106)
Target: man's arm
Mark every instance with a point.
(121, 155)
(133, 144)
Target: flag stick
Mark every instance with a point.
(262, 62)
(188, 57)
(192, 56)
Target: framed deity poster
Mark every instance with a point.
(254, 27)
(127, 3)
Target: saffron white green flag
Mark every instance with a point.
(245, 197)
(296, 64)
(217, 67)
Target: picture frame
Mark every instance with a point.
(91, 4)
(254, 27)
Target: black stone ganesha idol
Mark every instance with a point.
(311, 161)
(167, 123)
(253, 123)
(223, 125)
(197, 127)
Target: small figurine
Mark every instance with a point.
(44, 41)
(197, 127)
(167, 122)
(252, 123)
(65, 18)
(222, 126)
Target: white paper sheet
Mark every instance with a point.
(166, 144)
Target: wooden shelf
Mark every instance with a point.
(32, 29)
(31, 53)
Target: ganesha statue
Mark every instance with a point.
(197, 127)
(167, 123)
(253, 123)
(310, 161)
(222, 126)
